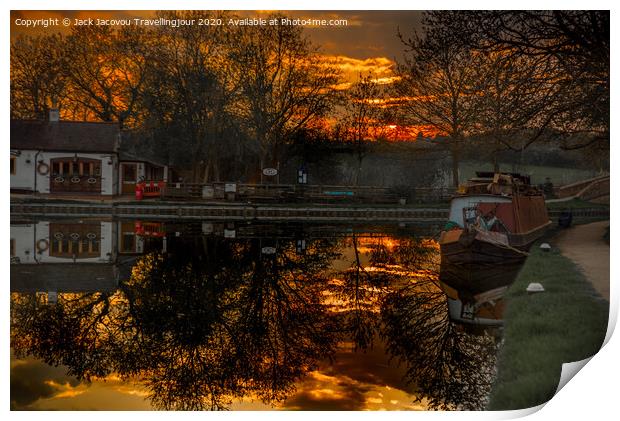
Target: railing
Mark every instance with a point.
(289, 193)
(149, 229)
(150, 188)
(585, 213)
(595, 190)
(586, 189)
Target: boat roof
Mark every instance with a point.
(489, 175)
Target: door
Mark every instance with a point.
(129, 175)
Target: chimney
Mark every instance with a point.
(54, 115)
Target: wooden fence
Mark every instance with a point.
(292, 193)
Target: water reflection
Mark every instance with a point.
(205, 315)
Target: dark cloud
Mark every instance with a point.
(368, 34)
(371, 366)
(351, 399)
(345, 383)
(32, 380)
(328, 392)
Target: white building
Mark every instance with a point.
(69, 157)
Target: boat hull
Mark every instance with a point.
(494, 223)
(473, 264)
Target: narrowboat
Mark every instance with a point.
(494, 220)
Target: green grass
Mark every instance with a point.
(565, 323)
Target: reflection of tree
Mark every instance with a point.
(362, 287)
(359, 288)
(209, 322)
(396, 295)
(181, 344)
(217, 319)
(284, 329)
(71, 333)
(450, 368)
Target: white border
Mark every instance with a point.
(591, 394)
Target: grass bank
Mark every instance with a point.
(565, 323)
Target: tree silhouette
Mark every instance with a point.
(190, 91)
(284, 84)
(362, 119)
(438, 82)
(212, 321)
(575, 47)
(37, 78)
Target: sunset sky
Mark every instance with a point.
(368, 43)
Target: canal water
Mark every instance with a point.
(125, 314)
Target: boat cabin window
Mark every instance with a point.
(469, 215)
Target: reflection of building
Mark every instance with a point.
(68, 157)
(136, 237)
(77, 256)
(86, 241)
(61, 256)
(65, 277)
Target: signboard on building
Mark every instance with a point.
(208, 192)
(270, 171)
(268, 250)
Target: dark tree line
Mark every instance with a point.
(511, 77)
(207, 98)
(199, 96)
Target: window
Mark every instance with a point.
(156, 173)
(128, 242)
(129, 172)
(75, 240)
(13, 165)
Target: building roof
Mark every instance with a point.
(136, 146)
(69, 277)
(125, 156)
(65, 136)
(63, 277)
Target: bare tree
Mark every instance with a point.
(437, 83)
(189, 92)
(105, 70)
(362, 116)
(284, 83)
(515, 94)
(37, 81)
(578, 41)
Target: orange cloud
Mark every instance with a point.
(66, 390)
(381, 68)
